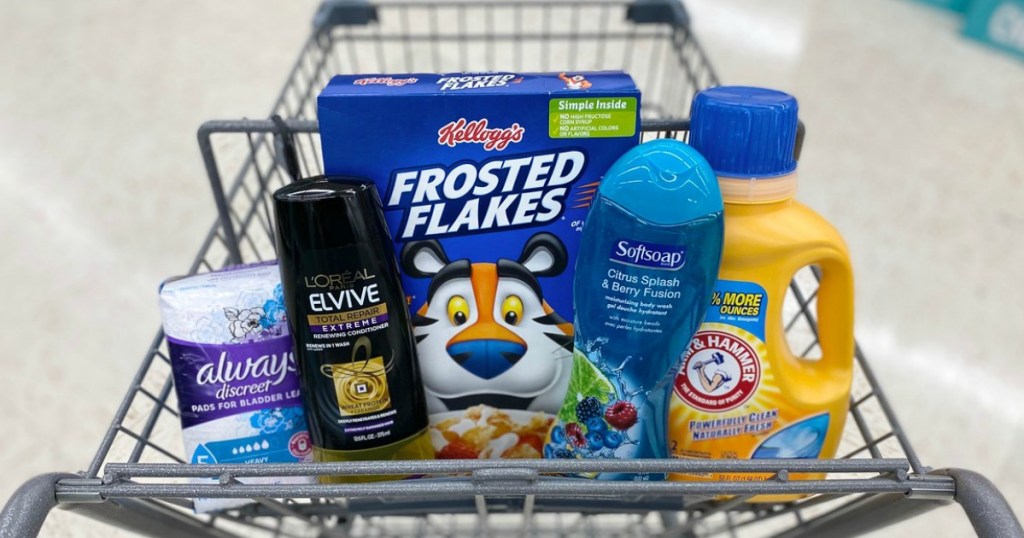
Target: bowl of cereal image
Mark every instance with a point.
(484, 432)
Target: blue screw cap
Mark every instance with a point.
(745, 132)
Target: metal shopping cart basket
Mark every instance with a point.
(137, 480)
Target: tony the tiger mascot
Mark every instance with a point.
(485, 335)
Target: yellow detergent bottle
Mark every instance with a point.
(741, 392)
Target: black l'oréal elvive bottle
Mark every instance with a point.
(350, 322)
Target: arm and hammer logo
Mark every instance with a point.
(720, 371)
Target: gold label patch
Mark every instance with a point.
(361, 386)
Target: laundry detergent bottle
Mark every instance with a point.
(648, 259)
(741, 391)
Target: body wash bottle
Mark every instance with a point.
(648, 260)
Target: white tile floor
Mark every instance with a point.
(913, 151)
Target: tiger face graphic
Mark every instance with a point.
(485, 334)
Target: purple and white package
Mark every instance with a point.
(235, 373)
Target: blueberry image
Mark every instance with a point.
(558, 435)
(612, 439)
(597, 424)
(563, 454)
(595, 441)
(548, 452)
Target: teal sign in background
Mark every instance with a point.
(960, 6)
(999, 23)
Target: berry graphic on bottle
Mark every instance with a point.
(612, 440)
(587, 409)
(558, 435)
(586, 384)
(596, 424)
(621, 415)
(575, 434)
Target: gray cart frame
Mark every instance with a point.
(137, 482)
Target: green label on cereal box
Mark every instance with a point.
(592, 117)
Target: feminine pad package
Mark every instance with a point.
(485, 180)
(234, 372)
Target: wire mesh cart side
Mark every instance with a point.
(138, 479)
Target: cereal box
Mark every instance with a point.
(485, 179)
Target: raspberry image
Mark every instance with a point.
(621, 415)
(612, 439)
(595, 441)
(597, 424)
(457, 450)
(575, 434)
(587, 409)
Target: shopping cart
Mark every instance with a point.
(137, 480)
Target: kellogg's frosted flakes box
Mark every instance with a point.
(485, 180)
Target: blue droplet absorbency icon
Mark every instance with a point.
(801, 440)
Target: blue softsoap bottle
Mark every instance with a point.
(648, 260)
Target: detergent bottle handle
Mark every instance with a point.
(834, 305)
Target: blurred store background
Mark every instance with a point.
(913, 150)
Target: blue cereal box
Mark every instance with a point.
(485, 179)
